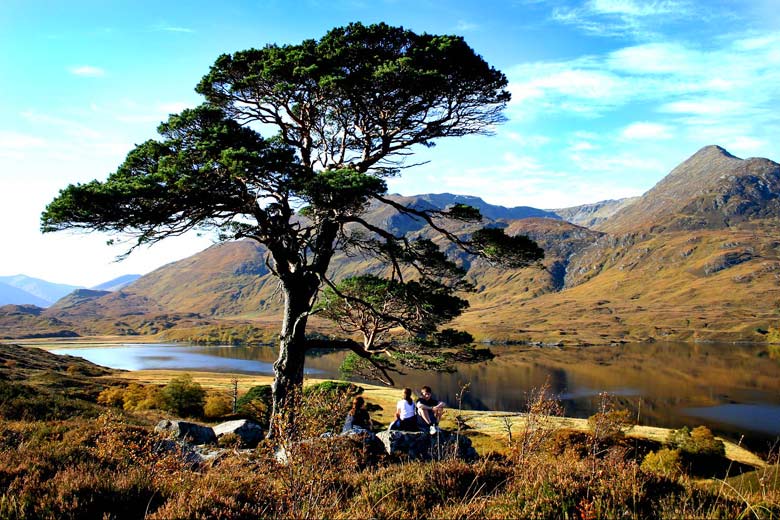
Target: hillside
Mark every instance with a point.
(695, 258)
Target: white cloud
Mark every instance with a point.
(464, 26)
(88, 71)
(172, 28)
(704, 107)
(744, 145)
(70, 127)
(14, 145)
(623, 17)
(656, 58)
(635, 8)
(582, 146)
(644, 130)
(528, 141)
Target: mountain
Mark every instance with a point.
(489, 211)
(711, 190)
(13, 295)
(695, 258)
(117, 283)
(47, 292)
(591, 215)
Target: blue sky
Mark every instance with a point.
(608, 96)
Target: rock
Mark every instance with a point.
(423, 446)
(187, 453)
(187, 431)
(249, 432)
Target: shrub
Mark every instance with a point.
(697, 442)
(256, 404)
(665, 462)
(609, 423)
(183, 396)
(217, 405)
(112, 396)
(139, 397)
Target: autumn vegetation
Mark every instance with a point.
(69, 449)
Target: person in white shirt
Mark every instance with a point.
(405, 412)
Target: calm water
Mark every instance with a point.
(733, 389)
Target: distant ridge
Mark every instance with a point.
(47, 292)
(591, 215)
(117, 283)
(13, 295)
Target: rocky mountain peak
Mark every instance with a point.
(712, 189)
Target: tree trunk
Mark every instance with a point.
(288, 368)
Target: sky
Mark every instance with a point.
(608, 96)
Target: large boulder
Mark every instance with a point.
(249, 432)
(423, 446)
(188, 432)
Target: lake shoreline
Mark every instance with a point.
(487, 422)
(579, 375)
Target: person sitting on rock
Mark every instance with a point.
(357, 418)
(429, 409)
(405, 413)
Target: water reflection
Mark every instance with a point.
(731, 388)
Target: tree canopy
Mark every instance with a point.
(348, 110)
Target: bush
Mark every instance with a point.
(609, 423)
(183, 397)
(256, 404)
(217, 405)
(665, 462)
(112, 396)
(697, 442)
(139, 397)
(333, 388)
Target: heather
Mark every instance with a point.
(76, 457)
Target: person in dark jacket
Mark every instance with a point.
(429, 409)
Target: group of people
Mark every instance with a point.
(411, 416)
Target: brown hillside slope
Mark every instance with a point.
(707, 285)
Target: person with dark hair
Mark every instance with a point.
(357, 418)
(405, 413)
(429, 409)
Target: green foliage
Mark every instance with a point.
(333, 388)
(21, 401)
(510, 251)
(256, 404)
(183, 397)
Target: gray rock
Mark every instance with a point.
(249, 432)
(187, 431)
(423, 446)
